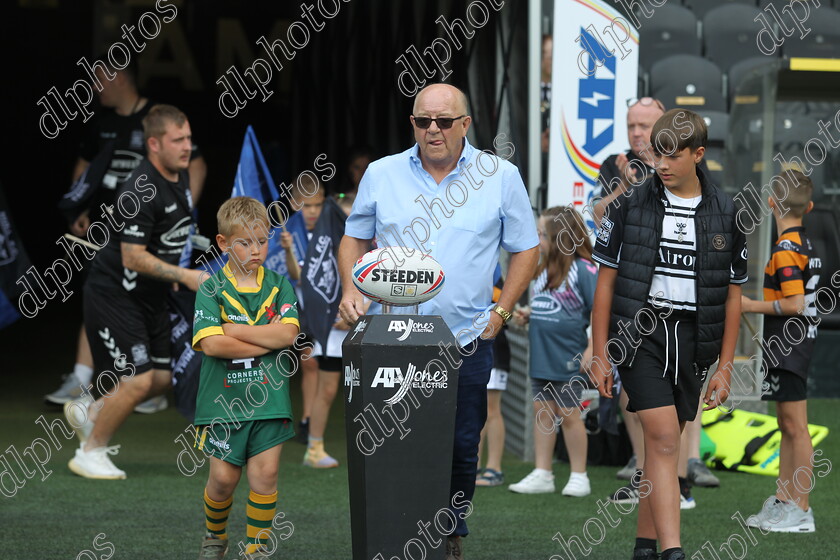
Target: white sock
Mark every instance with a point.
(544, 472)
(580, 475)
(83, 373)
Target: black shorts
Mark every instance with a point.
(304, 339)
(567, 394)
(328, 363)
(663, 372)
(117, 323)
(783, 385)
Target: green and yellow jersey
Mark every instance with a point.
(223, 381)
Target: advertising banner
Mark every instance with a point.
(594, 72)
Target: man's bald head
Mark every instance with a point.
(439, 147)
(640, 119)
(445, 94)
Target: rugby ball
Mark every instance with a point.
(389, 275)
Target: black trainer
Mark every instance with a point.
(645, 554)
(303, 432)
(629, 493)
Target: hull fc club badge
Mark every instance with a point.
(719, 242)
(680, 231)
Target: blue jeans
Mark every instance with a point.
(470, 415)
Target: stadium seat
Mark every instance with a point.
(729, 34)
(793, 130)
(688, 97)
(833, 171)
(684, 80)
(739, 72)
(825, 110)
(671, 30)
(791, 133)
(792, 108)
(744, 164)
(822, 229)
(717, 123)
(823, 41)
(782, 3)
(641, 84)
(702, 7)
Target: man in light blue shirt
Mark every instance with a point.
(460, 206)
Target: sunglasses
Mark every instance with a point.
(443, 123)
(645, 101)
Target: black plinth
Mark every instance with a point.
(400, 394)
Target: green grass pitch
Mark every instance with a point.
(157, 512)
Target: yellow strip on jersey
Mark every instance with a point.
(204, 333)
(239, 307)
(274, 291)
(290, 321)
(232, 278)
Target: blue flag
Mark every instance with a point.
(13, 264)
(254, 179)
(322, 289)
(81, 193)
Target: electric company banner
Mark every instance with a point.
(594, 72)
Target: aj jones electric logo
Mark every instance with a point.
(360, 327)
(351, 379)
(407, 328)
(391, 377)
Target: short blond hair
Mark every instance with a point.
(241, 212)
(154, 123)
(795, 193)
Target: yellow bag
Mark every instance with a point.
(748, 441)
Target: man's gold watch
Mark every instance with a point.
(503, 313)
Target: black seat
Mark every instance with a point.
(782, 4)
(641, 84)
(823, 41)
(833, 171)
(739, 72)
(688, 81)
(744, 164)
(793, 128)
(689, 97)
(671, 30)
(729, 34)
(717, 123)
(822, 229)
(702, 7)
(792, 132)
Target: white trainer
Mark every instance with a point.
(150, 406)
(771, 510)
(792, 520)
(535, 483)
(71, 388)
(577, 487)
(96, 464)
(77, 413)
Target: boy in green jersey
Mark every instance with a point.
(243, 411)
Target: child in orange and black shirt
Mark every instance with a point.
(790, 329)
